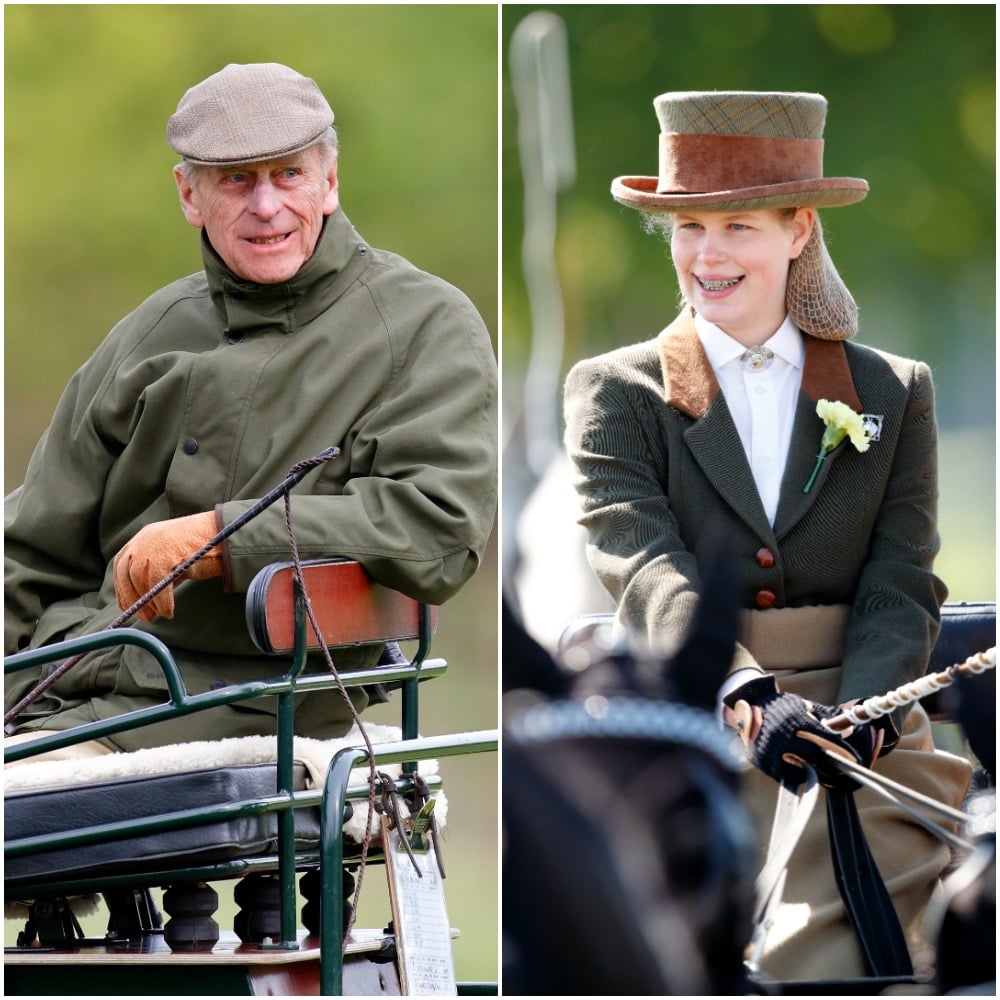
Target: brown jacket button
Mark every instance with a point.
(765, 598)
(765, 558)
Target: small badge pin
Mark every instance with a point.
(872, 423)
(757, 359)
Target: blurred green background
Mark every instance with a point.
(93, 226)
(911, 91)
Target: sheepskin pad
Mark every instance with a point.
(314, 755)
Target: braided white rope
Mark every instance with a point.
(906, 694)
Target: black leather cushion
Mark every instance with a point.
(59, 809)
(967, 628)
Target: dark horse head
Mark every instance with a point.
(627, 856)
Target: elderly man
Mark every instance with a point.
(296, 336)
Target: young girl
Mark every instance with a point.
(754, 415)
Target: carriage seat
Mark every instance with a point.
(54, 797)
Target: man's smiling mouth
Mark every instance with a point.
(267, 240)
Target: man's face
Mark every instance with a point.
(263, 219)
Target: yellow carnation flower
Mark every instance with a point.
(841, 421)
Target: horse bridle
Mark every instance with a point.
(622, 717)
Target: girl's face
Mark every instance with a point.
(733, 266)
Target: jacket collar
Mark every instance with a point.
(247, 307)
(690, 384)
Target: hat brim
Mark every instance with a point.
(245, 157)
(821, 192)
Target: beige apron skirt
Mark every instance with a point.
(812, 937)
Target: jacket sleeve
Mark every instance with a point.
(52, 549)
(419, 512)
(634, 542)
(896, 610)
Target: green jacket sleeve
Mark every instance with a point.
(634, 540)
(418, 507)
(895, 614)
(53, 546)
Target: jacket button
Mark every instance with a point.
(765, 558)
(765, 598)
(234, 338)
(190, 446)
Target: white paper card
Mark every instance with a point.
(423, 933)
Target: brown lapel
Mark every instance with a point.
(690, 386)
(826, 374)
(689, 383)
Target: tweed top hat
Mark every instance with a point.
(247, 113)
(739, 151)
(744, 151)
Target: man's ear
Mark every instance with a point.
(188, 197)
(331, 198)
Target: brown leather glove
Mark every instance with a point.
(155, 551)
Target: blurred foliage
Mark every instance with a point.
(912, 109)
(93, 226)
(911, 91)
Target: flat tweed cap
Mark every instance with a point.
(247, 113)
(739, 151)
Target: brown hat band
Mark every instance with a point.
(696, 162)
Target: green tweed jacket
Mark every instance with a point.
(659, 464)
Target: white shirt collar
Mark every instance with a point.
(786, 342)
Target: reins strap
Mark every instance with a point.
(866, 899)
(794, 807)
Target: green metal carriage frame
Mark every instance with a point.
(288, 860)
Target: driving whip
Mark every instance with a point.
(882, 704)
(294, 476)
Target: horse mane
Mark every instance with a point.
(628, 858)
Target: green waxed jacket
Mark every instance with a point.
(204, 398)
(660, 465)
